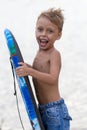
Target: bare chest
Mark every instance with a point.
(42, 63)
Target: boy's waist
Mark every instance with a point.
(51, 104)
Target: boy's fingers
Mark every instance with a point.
(21, 63)
(18, 68)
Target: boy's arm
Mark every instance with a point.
(51, 78)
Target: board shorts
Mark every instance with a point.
(55, 115)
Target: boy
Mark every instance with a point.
(46, 69)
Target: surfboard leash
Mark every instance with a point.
(15, 94)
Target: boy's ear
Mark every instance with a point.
(59, 35)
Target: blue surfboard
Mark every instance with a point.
(23, 83)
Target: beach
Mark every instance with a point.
(20, 17)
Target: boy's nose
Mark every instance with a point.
(44, 33)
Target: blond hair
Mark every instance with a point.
(55, 16)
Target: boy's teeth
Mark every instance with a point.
(44, 41)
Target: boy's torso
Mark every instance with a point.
(45, 92)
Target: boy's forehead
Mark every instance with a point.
(43, 19)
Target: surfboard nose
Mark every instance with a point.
(10, 42)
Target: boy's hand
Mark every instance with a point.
(23, 69)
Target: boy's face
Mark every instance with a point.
(46, 33)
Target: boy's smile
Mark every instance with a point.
(46, 33)
(43, 41)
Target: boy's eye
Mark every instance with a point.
(40, 29)
(50, 30)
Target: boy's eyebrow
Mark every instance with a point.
(39, 26)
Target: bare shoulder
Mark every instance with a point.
(56, 54)
(55, 57)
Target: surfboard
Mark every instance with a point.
(23, 83)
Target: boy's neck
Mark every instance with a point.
(47, 50)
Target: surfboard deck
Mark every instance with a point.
(23, 83)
